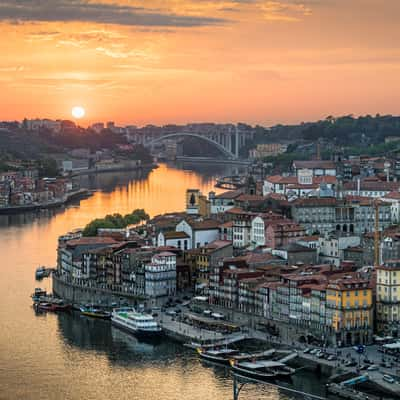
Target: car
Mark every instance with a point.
(364, 367)
(178, 310)
(306, 350)
(350, 363)
(366, 361)
(320, 354)
(388, 378)
(332, 357)
(314, 351)
(171, 313)
(373, 367)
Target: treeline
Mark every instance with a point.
(115, 221)
(346, 130)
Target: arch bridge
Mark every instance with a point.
(224, 150)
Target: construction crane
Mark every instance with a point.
(376, 234)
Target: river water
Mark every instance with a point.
(61, 356)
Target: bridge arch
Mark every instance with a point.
(219, 146)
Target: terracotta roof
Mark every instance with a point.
(393, 195)
(313, 164)
(250, 198)
(373, 185)
(205, 225)
(176, 235)
(231, 194)
(315, 201)
(218, 244)
(309, 238)
(85, 241)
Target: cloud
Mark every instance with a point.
(98, 12)
(284, 11)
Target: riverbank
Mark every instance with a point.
(116, 167)
(77, 194)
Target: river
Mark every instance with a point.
(60, 356)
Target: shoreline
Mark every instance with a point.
(81, 193)
(119, 167)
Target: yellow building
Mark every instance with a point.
(388, 298)
(349, 310)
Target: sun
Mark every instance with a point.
(78, 112)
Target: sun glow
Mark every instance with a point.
(78, 112)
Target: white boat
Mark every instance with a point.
(141, 325)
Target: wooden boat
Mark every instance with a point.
(220, 356)
(95, 313)
(262, 370)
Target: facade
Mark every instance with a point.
(318, 167)
(180, 240)
(332, 246)
(200, 232)
(350, 215)
(388, 298)
(349, 310)
(223, 202)
(160, 276)
(302, 185)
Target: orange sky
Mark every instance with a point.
(176, 61)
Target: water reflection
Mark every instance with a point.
(63, 356)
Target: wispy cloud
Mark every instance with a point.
(98, 12)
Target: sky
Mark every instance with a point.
(175, 61)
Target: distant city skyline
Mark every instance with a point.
(181, 61)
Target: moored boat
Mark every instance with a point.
(38, 294)
(40, 272)
(95, 313)
(143, 326)
(51, 304)
(262, 370)
(220, 356)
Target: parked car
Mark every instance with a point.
(388, 378)
(373, 367)
(306, 350)
(172, 313)
(366, 361)
(350, 363)
(332, 357)
(320, 354)
(314, 351)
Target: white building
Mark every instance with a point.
(180, 240)
(394, 199)
(200, 232)
(223, 202)
(331, 247)
(301, 185)
(160, 275)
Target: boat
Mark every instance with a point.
(142, 325)
(38, 294)
(262, 370)
(220, 356)
(52, 304)
(40, 273)
(95, 312)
